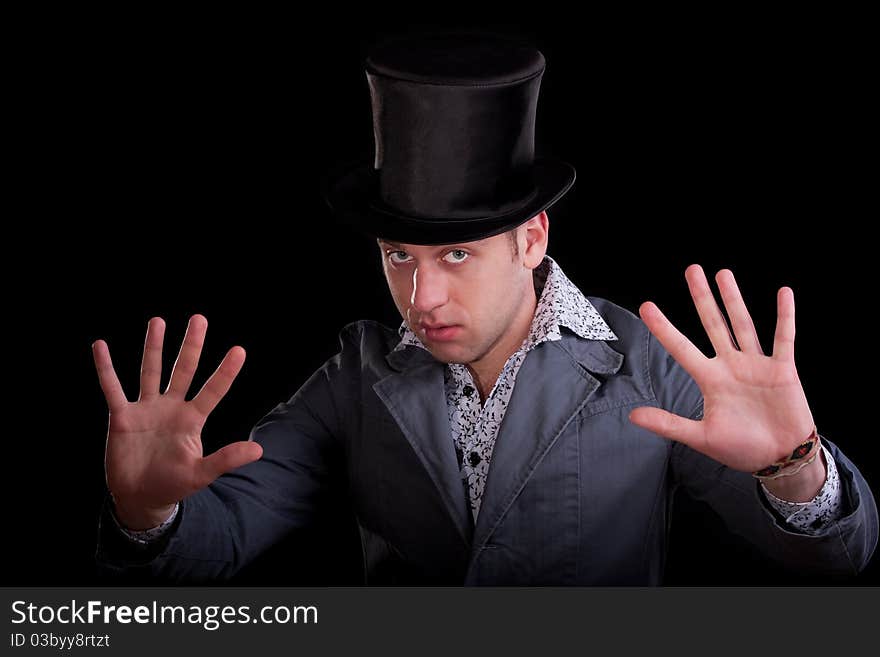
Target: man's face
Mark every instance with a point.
(459, 299)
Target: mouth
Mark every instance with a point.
(440, 332)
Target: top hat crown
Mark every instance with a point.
(454, 136)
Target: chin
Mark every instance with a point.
(450, 354)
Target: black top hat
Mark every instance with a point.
(454, 124)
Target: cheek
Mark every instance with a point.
(482, 306)
(494, 307)
(399, 292)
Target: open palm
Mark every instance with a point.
(755, 409)
(154, 454)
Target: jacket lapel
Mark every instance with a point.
(416, 399)
(553, 384)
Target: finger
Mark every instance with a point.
(669, 425)
(783, 340)
(188, 359)
(113, 392)
(710, 314)
(228, 458)
(221, 380)
(743, 326)
(151, 364)
(676, 343)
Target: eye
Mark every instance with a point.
(459, 255)
(391, 255)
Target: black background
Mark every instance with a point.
(170, 164)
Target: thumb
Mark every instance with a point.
(228, 458)
(666, 424)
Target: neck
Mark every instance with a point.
(487, 369)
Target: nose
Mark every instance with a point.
(429, 290)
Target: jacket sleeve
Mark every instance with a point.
(842, 547)
(224, 527)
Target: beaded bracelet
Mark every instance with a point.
(795, 461)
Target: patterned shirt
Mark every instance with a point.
(474, 425)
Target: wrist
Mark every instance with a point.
(803, 486)
(140, 519)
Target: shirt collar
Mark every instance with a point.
(560, 303)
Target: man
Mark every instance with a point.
(512, 431)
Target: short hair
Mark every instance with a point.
(514, 244)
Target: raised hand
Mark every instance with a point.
(153, 455)
(755, 411)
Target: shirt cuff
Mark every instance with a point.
(812, 516)
(146, 536)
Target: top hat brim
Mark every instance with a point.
(350, 192)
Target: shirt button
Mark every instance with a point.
(474, 458)
(468, 391)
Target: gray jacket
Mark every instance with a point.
(576, 494)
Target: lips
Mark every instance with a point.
(441, 334)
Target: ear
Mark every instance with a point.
(533, 236)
